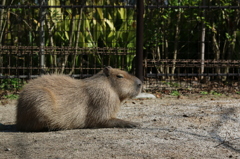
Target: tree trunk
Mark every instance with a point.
(166, 54)
(1, 21)
(232, 30)
(157, 57)
(177, 31)
(216, 50)
(231, 48)
(202, 51)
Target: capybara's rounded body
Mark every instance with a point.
(57, 102)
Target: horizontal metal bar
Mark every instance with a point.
(148, 75)
(64, 47)
(55, 50)
(66, 6)
(35, 76)
(216, 65)
(68, 53)
(19, 76)
(51, 68)
(192, 74)
(191, 7)
(117, 6)
(192, 61)
(81, 76)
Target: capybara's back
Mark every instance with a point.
(49, 102)
(56, 102)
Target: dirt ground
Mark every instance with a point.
(189, 127)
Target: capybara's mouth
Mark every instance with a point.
(136, 93)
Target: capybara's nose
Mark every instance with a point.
(139, 83)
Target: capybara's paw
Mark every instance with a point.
(129, 124)
(118, 123)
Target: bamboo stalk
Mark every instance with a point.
(177, 32)
(76, 42)
(202, 52)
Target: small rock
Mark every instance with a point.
(184, 115)
(4, 101)
(146, 95)
(7, 149)
(181, 97)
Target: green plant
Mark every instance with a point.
(10, 84)
(11, 96)
(91, 28)
(171, 84)
(215, 93)
(204, 92)
(211, 93)
(175, 93)
(165, 82)
(174, 84)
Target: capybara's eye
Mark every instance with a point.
(120, 76)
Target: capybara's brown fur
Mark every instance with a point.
(56, 102)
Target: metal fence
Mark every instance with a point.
(192, 46)
(172, 45)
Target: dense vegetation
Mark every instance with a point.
(176, 29)
(204, 30)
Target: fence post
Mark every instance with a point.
(139, 42)
(42, 16)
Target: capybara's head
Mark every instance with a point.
(126, 85)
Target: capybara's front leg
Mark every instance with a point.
(119, 123)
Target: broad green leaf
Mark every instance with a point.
(110, 24)
(122, 13)
(100, 13)
(66, 35)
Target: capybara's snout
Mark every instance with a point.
(138, 83)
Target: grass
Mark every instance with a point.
(11, 96)
(175, 93)
(210, 93)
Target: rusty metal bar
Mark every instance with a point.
(139, 43)
(119, 6)
(192, 74)
(66, 6)
(191, 7)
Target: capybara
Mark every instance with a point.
(58, 102)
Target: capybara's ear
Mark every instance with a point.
(106, 70)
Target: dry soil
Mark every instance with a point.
(172, 127)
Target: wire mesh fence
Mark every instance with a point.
(77, 38)
(23, 61)
(187, 78)
(187, 46)
(192, 46)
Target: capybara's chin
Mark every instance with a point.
(58, 102)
